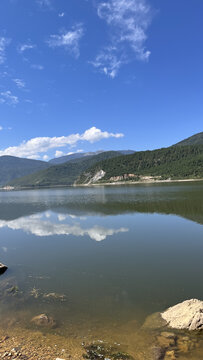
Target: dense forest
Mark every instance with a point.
(174, 162)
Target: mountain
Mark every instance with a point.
(181, 161)
(196, 139)
(64, 159)
(64, 174)
(126, 152)
(12, 167)
(175, 162)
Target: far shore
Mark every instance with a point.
(139, 182)
(142, 182)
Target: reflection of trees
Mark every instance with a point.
(188, 203)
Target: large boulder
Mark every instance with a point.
(186, 315)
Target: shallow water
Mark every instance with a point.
(117, 254)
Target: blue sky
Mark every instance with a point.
(94, 74)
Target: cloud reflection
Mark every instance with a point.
(36, 226)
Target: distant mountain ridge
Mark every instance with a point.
(12, 167)
(74, 156)
(182, 160)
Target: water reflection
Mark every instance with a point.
(149, 261)
(37, 225)
(185, 200)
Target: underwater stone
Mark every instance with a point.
(44, 320)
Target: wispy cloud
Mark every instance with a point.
(44, 3)
(128, 21)
(19, 83)
(68, 39)
(33, 148)
(23, 47)
(6, 97)
(4, 42)
(1, 128)
(37, 67)
(108, 62)
(62, 14)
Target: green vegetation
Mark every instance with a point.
(174, 162)
(196, 139)
(14, 167)
(75, 156)
(64, 174)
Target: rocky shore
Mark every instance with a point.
(173, 334)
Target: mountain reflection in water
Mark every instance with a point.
(185, 200)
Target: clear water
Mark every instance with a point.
(117, 253)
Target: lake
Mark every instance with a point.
(109, 256)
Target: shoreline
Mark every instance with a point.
(139, 182)
(142, 182)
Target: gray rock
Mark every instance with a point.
(186, 315)
(3, 268)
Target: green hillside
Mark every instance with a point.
(12, 167)
(64, 174)
(75, 156)
(196, 139)
(174, 162)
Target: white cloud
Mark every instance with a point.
(74, 152)
(69, 40)
(37, 67)
(61, 14)
(59, 153)
(128, 21)
(19, 83)
(45, 157)
(6, 97)
(35, 226)
(34, 147)
(4, 42)
(24, 47)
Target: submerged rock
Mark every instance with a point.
(44, 321)
(55, 296)
(153, 322)
(186, 315)
(158, 353)
(105, 351)
(3, 268)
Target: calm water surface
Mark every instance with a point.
(118, 253)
